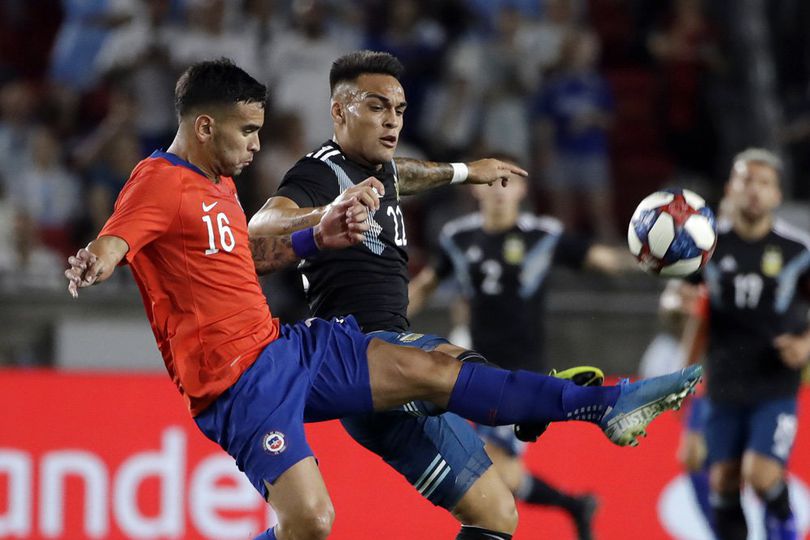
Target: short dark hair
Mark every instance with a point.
(350, 66)
(216, 82)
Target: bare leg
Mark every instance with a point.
(301, 502)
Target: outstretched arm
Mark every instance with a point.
(282, 216)
(416, 176)
(609, 260)
(95, 263)
(341, 226)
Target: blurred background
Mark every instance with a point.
(86, 91)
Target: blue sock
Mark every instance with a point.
(700, 486)
(780, 529)
(492, 396)
(266, 535)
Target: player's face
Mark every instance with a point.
(235, 137)
(499, 199)
(368, 117)
(753, 190)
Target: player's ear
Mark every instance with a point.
(338, 113)
(203, 127)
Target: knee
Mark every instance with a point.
(429, 371)
(725, 479)
(311, 523)
(762, 482)
(504, 513)
(488, 504)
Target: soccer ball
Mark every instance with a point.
(672, 233)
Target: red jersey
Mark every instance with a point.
(189, 253)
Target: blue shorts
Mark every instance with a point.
(441, 456)
(503, 437)
(316, 370)
(767, 428)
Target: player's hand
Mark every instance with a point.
(85, 268)
(794, 350)
(489, 171)
(343, 225)
(367, 192)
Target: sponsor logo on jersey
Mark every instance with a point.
(772, 261)
(474, 254)
(514, 250)
(410, 338)
(274, 442)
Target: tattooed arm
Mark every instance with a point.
(271, 253)
(342, 225)
(416, 176)
(280, 215)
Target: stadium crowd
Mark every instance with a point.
(662, 93)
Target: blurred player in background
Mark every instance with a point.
(758, 342)
(501, 258)
(688, 311)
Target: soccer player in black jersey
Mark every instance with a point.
(501, 258)
(439, 454)
(757, 344)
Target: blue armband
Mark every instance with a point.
(303, 243)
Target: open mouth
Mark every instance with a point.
(389, 141)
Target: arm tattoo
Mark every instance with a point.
(416, 175)
(291, 224)
(271, 253)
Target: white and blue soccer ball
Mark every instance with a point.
(672, 233)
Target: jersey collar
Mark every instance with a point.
(174, 159)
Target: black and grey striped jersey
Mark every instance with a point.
(753, 297)
(503, 277)
(370, 280)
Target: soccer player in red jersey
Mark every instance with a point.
(251, 383)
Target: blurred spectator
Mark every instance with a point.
(7, 246)
(107, 157)
(17, 104)
(418, 42)
(47, 191)
(138, 55)
(487, 11)
(208, 37)
(685, 50)
(574, 113)
(451, 117)
(34, 265)
(505, 125)
(543, 40)
(283, 145)
(85, 27)
(27, 29)
(262, 20)
(298, 64)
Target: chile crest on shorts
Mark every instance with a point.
(274, 442)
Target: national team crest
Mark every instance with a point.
(274, 442)
(410, 338)
(514, 250)
(772, 261)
